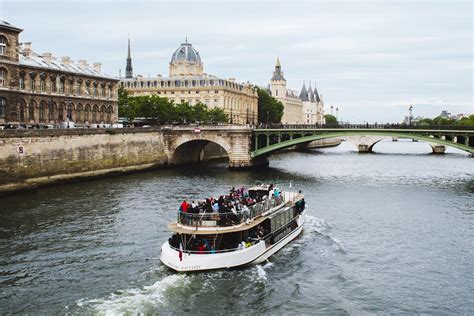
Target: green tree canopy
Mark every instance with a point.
(163, 111)
(331, 119)
(270, 110)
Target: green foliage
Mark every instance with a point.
(331, 119)
(441, 121)
(270, 110)
(163, 111)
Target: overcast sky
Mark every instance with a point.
(372, 59)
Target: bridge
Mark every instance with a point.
(247, 146)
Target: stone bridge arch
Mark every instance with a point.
(188, 149)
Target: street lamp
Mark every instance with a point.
(337, 112)
(410, 114)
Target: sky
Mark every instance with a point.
(372, 59)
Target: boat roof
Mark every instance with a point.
(214, 229)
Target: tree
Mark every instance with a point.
(331, 119)
(217, 115)
(270, 110)
(123, 95)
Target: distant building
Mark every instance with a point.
(445, 114)
(187, 82)
(41, 89)
(306, 107)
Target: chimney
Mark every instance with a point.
(48, 57)
(97, 67)
(65, 60)
(82, 63)
(27, 48)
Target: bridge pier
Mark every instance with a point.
(438, 149)
(364, 144)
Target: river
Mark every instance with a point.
(391, 232)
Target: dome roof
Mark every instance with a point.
(187, 53)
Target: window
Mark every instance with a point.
(22, 83)
(78, 88)
(95, 91)
(3, 45)
(61, 87)
(53, 85)
(88, 89)
(42, 85)
(31, 112)
(41, 111)
(51, 111)
(3, 106)
(276, 92)
(32, 84)
(69, 112)
(22, 112)
(60, 112)
(3, 75)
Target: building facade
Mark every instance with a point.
(41, 89)
(187, 82)
(307, 107)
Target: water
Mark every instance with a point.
(391, 232)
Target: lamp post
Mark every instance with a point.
(332, 109)
(337, 112)
(410, 114)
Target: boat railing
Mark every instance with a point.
(225, 219)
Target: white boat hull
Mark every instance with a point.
(255, 254)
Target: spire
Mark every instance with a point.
(316, 95)
(304, 93)
(128, 68)
(278, 74)
(310, 93)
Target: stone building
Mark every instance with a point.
(305, 107)
(187, 82)
(41, 89)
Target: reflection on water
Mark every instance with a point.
(389, 232)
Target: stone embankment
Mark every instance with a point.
(29, 158)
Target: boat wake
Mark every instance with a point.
(261, 273)
(134, 301)
(321, 228)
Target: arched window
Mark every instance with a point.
(51, 111)
(95, 109)
(86, 113)
(79, 113)
(3, 45)
(42, 108)
(61, 111)
(102, 113)
(3, 107)
(3, 77)
(31, 110)
(109, 114)
(22, 111)
(69, 108)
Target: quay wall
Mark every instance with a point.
(37, 157)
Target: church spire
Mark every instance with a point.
(128, 68)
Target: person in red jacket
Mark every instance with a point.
(184, 207)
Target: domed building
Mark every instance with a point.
(186, 61)
(187, 82)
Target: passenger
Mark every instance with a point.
(184, 207)
(215, 207)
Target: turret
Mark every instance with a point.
(304, 93)
(278, 82)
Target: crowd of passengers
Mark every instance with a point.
(232, 207)
(205, 244)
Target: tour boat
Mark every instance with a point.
(242, 234)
